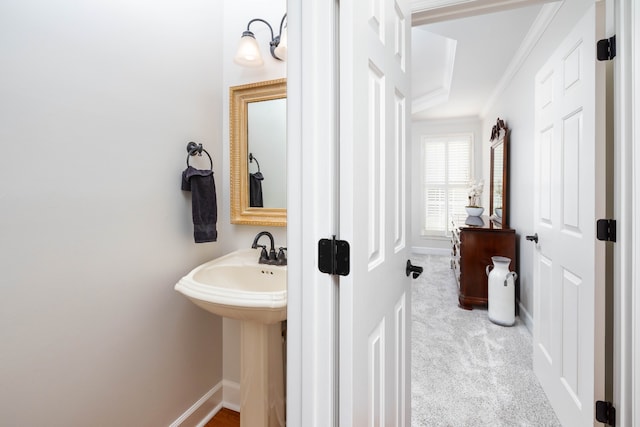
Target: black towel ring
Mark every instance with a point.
(193, 149)
(253, 159)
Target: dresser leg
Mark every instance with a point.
(463, 304)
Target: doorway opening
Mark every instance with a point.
(461, 83)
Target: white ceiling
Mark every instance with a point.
(458, 65)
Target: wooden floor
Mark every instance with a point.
(225, 418)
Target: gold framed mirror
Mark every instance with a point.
(499, 179)
(258, 122)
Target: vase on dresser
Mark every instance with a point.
(474, 210)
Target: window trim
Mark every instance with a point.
(446, 136)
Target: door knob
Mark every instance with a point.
(416, 270)
(533, 238)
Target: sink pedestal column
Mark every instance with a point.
(262, 400)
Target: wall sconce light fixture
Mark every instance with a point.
(248, 53)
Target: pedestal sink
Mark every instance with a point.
(237, 287)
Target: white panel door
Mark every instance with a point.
(568, 260)
(375, 299)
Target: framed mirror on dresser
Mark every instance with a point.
(499, 173)
(474, 240)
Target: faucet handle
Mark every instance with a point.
(282, 258)
(263, 254)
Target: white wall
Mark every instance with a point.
(236, 16)
(440, 127)
(516, 107)
(97, 103)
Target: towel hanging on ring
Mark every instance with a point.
(204, 207)
(255, 185)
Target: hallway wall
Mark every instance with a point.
(516, 106)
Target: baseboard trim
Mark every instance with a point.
(203, 410)
(225, 394)
(525, 317)
(430, 251)
(231, 395)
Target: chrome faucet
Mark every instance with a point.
(271, 257)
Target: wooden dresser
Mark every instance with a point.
(474, 240)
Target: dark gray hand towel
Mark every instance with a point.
(204, 207)
(255, 190)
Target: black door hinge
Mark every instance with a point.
(605, 413)
(606, 230)
(607, 49)
(334, 256)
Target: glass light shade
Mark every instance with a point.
(248, 53)
(281, 49)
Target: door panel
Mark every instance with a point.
(402, 355)
(375, 211)
(544, 320)
(568, 279)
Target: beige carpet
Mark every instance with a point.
(467, 371)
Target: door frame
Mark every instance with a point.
(626, 394)
(312, 308)
(312, 192)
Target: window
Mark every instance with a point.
(446, 165)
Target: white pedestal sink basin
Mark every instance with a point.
(236, 286)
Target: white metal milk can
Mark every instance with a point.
(502, 291)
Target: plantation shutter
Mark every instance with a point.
(447, 172)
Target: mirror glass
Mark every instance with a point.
(498, 196)
(267, 136)
(258, 146)
(496, 176)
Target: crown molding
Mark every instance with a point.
(537, 29)
(430, 11)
